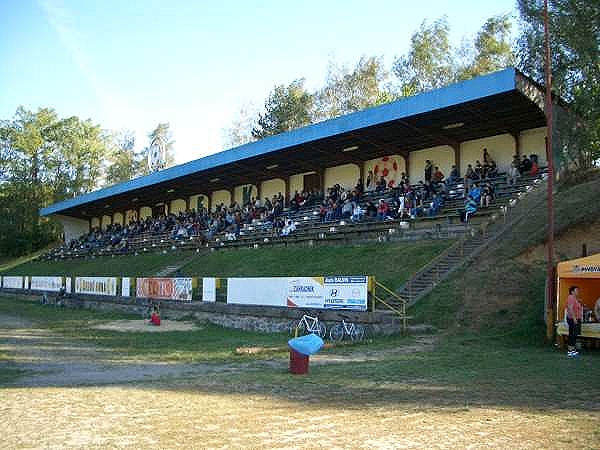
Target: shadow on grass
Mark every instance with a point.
(480, 370)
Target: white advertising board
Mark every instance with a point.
(46, 283)
(68, 286)
(209, 290)
(339, 292)
(96, 285)
(125, 286)
(12, 282)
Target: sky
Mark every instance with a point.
(130, 64)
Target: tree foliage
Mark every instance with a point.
(123, 162)
(286, 108)
(347, 91)
(574, 27)
(432, 62)
(43, 159)
(240, 131)
(429, 62)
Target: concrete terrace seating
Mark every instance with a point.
(309, 228)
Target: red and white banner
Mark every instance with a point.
(165, 288)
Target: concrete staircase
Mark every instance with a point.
(172, 268)
(466, 249)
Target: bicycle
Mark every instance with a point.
(309, 324)
(355, 332)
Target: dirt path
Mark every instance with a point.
(49, 359)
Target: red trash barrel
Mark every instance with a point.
(298, 363)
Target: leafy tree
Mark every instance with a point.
(492, 49)
(347, 91)
(574, 41)
(287, 108)
(241, 128)
(429, 62)
(124, 163)
(43, 159)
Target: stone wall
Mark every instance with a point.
(243, 317)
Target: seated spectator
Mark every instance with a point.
(475, 193)
(525, 165)
(435, 205)
(154, 317)
(289, 228)
(492, 170)
(382, 210)
(347, 209)
(454, 175)
(381, 185)
(487, 195)
(513, 171)
(360, 186)
(371, 210)
(322, 211)
(534, 167)
(469, 210)
(357, 213)
(478, 169)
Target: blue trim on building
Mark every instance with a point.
(455, 94)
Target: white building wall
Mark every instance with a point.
(72, 227)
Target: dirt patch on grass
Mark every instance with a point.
(141, 326)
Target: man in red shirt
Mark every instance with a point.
(574, 318)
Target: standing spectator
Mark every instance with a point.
(513, 171)
(574, 318)
(438, 175)
(370, 185)
(428, 170)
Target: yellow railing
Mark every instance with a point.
(399, 310)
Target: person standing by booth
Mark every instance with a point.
(574, 318)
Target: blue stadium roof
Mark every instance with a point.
(447, 98)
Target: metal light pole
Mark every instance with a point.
(550, 159)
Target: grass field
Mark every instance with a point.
(139, 390)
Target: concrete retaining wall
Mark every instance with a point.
(243, 317)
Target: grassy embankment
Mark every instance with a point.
(391, 263)
(502, 292)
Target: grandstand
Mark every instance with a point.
(221, 200)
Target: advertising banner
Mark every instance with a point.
(12, 282)
(209, 290)
(96, 285)
(68, 286)
(165, 288)
(346, 292)
(46, 283)
(125, 286)
(339, 292)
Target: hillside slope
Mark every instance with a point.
(392, 263)
(503, 289)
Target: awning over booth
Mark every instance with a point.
(585, 274)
